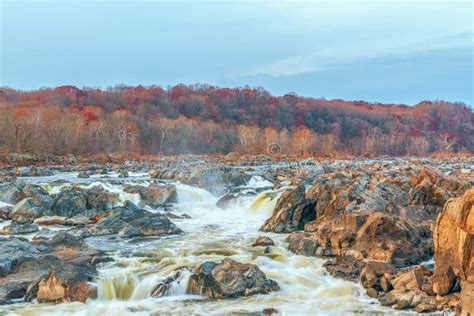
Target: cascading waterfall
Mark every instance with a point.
(211, 234)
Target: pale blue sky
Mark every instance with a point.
(400, 52)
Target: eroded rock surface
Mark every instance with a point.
(227, 279)
(55, 269)
(292, 212)
(130, 221)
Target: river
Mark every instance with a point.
(211, 234)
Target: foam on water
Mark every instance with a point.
(212, 233)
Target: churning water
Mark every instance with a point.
(212, 233)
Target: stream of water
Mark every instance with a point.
(124, 286)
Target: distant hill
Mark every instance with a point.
(203, 119)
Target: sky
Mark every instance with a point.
(381, 51)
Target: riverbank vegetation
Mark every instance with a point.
(203, 119)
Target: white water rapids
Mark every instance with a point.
(124, 286)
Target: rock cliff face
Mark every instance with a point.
(291, 213)
(454, 250)
(377, 223)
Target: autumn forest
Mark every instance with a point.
(203, 119)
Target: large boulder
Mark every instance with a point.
(454, 249)
(292, 212)
(75, 201)
(154, 195)
(229, 279)
(53, 270)
(374, 236)
(70, 201)
(130, 221)
(14, 192)
(30, 208)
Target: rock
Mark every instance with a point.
(83, 175)
(51, 220)
(373, 272)
(131, 221)
(162, 288)
(344, 267)
(403, 300)
(154, 195)
(100, 200)
(411, 280)
(426, 308)
(269, 311)
(14, 192)
(467, 297)
(154, 173)
(229, 279)
(19, 229)
(74, 201)
(45, 234)
(372, 292)
(11, 193)
(263, 241)
(5, 212)
(27, 268)
(302, 243)
(227, 199)
(30, 208)
(69, 202)
(453, 244)
(14, 251)
(123, 174)
(373, 236)
(444, 280)
(292, 212)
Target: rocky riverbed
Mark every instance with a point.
(246, 235)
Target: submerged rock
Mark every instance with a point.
(263, 241)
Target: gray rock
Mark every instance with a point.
(131, 221)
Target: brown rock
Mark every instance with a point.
(292, 212)
(345, 267)
(454, 243)
(229, 279)
(372, 273)
(51, 289)
(372, 292)
(385, 284)
(50, 220)
(412, 279)
(443, 281)
(467, 297)
(263, 241)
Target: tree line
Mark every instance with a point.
(203, 119)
